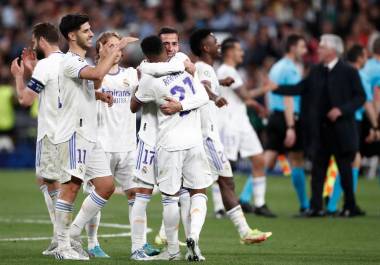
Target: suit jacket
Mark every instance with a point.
(344, 90)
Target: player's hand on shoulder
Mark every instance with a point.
(189, 67)
(171, 106)
(226, 81)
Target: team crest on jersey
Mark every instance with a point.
(144, 169)
(207, 73)
(125, 82)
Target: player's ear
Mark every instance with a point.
(72, 36)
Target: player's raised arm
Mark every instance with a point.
(162, 68)
(107, 56)
(25, 96)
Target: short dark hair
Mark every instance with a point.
(376, 46)
(46, 30)
(291, 41)
(196, 40)
(72, 22)
(354, 53)
(228, 44)
(167, 30)
(152, 46)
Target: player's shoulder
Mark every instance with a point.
(181, 56)
(225, 69)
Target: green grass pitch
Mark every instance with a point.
(294, 241)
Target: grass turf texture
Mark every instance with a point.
(294, 241)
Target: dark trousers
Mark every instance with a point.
(321, 160)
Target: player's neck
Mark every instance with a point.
(74, 48)
(376, 56)
(114, 69)
(51, 49)
(206, 58)
(291, 57)
(229, 61)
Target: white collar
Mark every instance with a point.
(332, 64)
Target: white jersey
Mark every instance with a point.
(206, 72)
(77, 110)
(149, 124)
(44, 81)
(236, 109)
(117, 124)
(182, 130)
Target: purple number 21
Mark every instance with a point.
(181, 91)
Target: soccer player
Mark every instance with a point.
(145, 165)
(357, 56)
(81, 156)
(204, 45)
(179, 139)
(44, 85)
(236, 132)
(284, 129)
(116, 131)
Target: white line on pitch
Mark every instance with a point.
(34, 221)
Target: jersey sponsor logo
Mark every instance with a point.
(119, 96)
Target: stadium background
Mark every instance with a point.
(262, 27)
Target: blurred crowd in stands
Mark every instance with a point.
(260, 25)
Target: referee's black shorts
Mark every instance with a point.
(366, 149)
(276, 132)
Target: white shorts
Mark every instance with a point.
(82, 159)
(218, 162)
(47, 160)
(122, 165)
(185, 168)
(240, 138)
(145, 163)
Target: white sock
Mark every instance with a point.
(138, 225)
(162, 232)
(184, 201)
(217, 198)
(92, 231)
(54, 196)
(198, 213)
(130, 207)
(90, 207)
(63, 218)
(50, 204)
(259, 188)
(171, 220)
(238, 219)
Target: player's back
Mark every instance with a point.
(117, 124)
(179, 131)
(44, 81)
(77, 110)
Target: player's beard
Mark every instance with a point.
(39, 53)
(83, 44)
